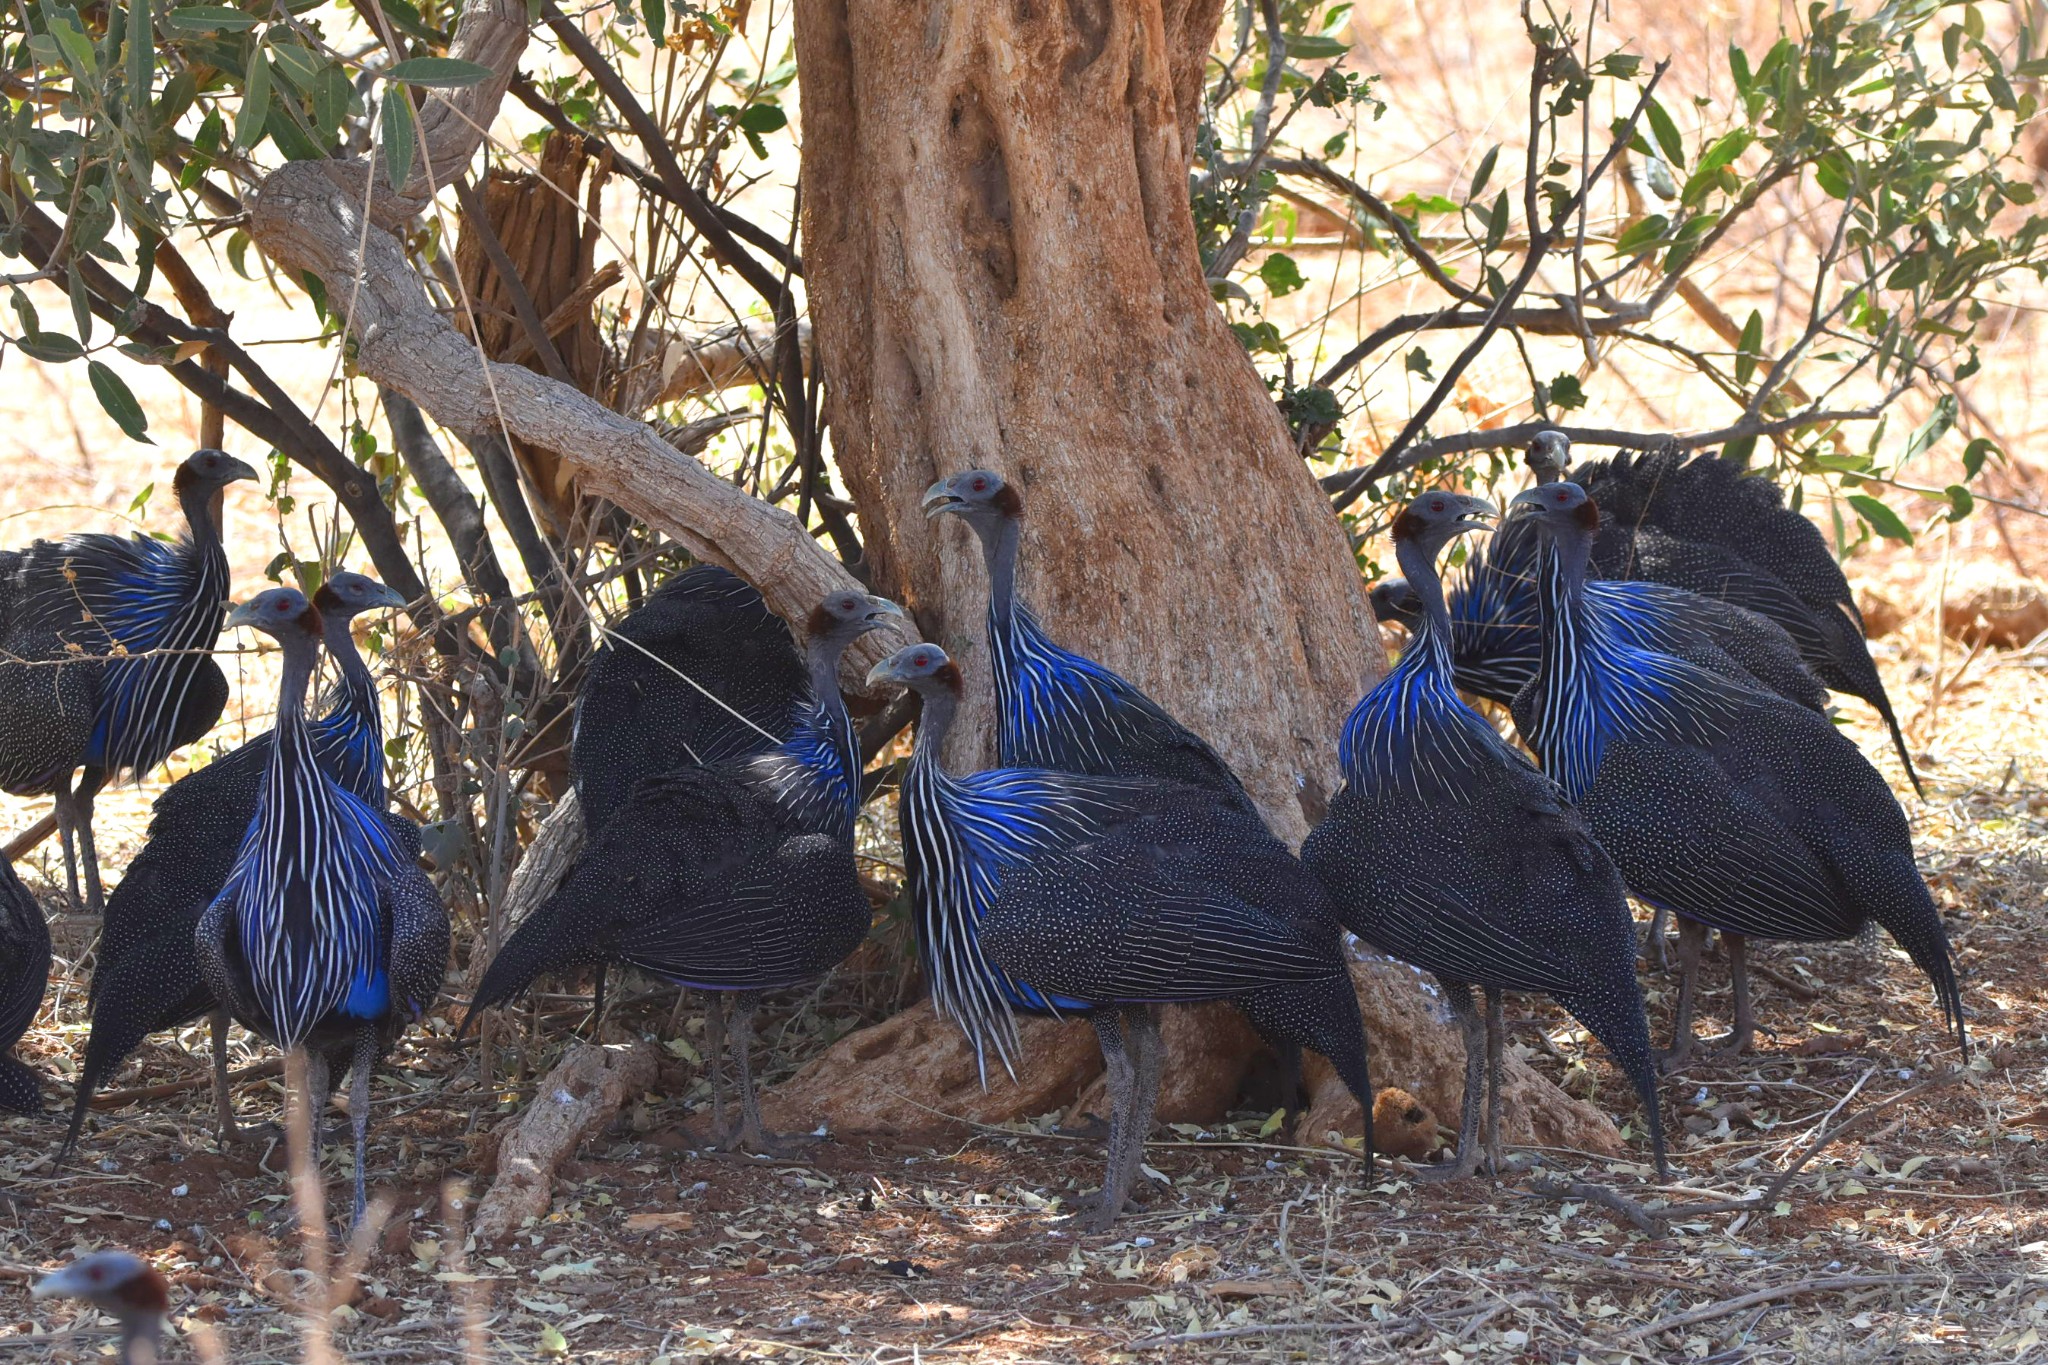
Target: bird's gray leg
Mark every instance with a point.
(364, 1062)
(88, 851)
(714, 1056)
(753, 1137)
(1127, 1137)
(1149, 1063)
(1692, 940)
(67, 831)
(1496, 1051)
(1660, 950)
(1098, 1214)
(1469, 1023)
(1743, 1036)
(223, 1102)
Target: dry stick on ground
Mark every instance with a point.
(115, 1099)
(1825, 1284)
(25, 841)
(1654, 1221)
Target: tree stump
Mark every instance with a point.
(575, 1102)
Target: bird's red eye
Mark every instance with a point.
(1437, 505)
(981, 485)
(96, 1274)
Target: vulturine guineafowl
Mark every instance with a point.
(734, 880)
(1056, 709)
(24, 977)
(104, 656)
(700, 675)
(1108, 897)
(126, 1288)
(1698, 522)
(327, 936)
(147, 976)
(1445, 848)
(1723, 804)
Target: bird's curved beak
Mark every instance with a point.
(64, 1284)
(387, 596)
(1528, 503)
(940, 499)
(881, 611)
(883, 672)
(1475, 514)
(234, 470)
(244, 615)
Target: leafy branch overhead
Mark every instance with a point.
(1877, 153)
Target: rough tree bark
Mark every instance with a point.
(1003, 272)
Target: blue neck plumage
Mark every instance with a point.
(816, 771)
(349, 739)
(1595, 687)
(163, 615)
(1052, 705)
(1412, 735)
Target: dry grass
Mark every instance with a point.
(1923, 1234)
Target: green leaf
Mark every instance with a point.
(654, 13)
(140, 502)
(81, 306)
(1281, 274)
(1723, 150)
(78, 51)
(1497, 221)
(1312, 47)
(1961, 501)
(1750, 347)
(1739, 451)
(763, 118)
(1272, 1123)
(1881, 518)
(141, 56)
(441, 72)
(51, 347)
(254, 115)
(120, 404)
(1667, 134)
(1484, 173)
(200, 19)
(299, 66)
(1642, 236)
(396, 126)
(1976, 452)
(332, 96)
(1835, 174)
(1566, 392)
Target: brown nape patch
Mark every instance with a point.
(1406, 525)
(1587, 515)
(183, 479)
(326, 599)
(309, 619)
(820, 622)
(1007, 502)
(146, 1291)
(948, 675)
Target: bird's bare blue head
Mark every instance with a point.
(844, 617)
(119, 1282)
(1435, 519)
(981, 497)
(1549, 456)
(283, 613)
(1562, 510)
(347, 594)
(924, 669)
(209, 470)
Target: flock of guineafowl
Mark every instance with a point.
(1664, 632)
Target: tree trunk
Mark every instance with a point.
(1002, 272)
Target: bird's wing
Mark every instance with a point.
(1687, 838)
(1150, 915)
(419, 940)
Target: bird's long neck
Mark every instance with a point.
(301, 657)
(203, 507)
(933, 721)
(1432, 640)
(999, 553)
(355, 704)
(139, 1335)
(1568, 733)
(819, 764)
